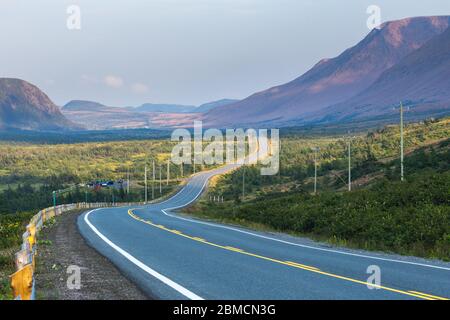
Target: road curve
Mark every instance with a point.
(174, 257)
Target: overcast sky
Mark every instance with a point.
(180, 51)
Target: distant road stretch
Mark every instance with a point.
(170, 256)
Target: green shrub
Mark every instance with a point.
(412, 217)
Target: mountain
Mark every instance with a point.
(421, 80)
(167, 108)
(215, 104)
(177, 108)
(96, 116)
(83, 105)
(335, 80)
(24, 106)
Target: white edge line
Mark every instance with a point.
(185, 292)
(284, 241)
(190, 178)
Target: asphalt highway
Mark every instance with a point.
(172, 256)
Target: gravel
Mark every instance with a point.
(60, 245)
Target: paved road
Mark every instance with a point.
(171, 256)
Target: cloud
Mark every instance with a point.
(113, 81)
(139, 88)
(116, 82)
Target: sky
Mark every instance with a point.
(130, 52)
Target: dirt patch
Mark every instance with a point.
(61, 245)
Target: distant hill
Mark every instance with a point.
(215, 104)
(24, 106)
(97, 116)
(83, 105)
(166, 108)
(421, 80)
(178, 108)
(332, 81)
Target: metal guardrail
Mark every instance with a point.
(23, 280)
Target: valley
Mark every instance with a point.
(240, 150)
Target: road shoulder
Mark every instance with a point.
(60, 245)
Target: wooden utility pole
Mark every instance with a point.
(145, 183)
(401, 142)
(160, 181)
(153, 181)
(168, 171)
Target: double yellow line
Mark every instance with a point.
(415, 294)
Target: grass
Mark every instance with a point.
(409, 218)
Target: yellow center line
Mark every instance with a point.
(233, 249)
(428, 295)
(415, 294)
(295, 264)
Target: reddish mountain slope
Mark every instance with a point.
(421, 80)
(24, 106)
(333, 80)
